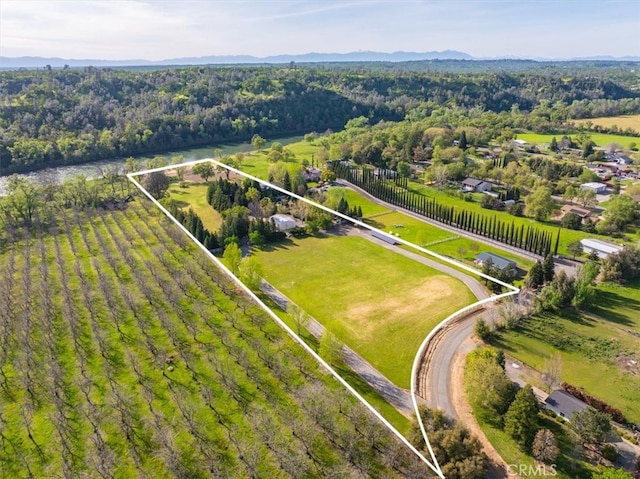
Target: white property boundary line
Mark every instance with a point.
(435, 467)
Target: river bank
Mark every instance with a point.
(58, 174)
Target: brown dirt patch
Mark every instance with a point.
(366, 316)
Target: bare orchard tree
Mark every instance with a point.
(552, 371)
(301, 318)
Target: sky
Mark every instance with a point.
(164, 29)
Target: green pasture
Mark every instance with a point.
(600, 139)
(567, 236)
(390, 413)
(590, 347)
(446, 243)
(379, 303)
(369, 208)
(256, 163)
(620, 304)
(194, 195)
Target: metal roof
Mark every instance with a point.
(498, 261)
(564, 404)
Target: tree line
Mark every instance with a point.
(55, 117)
(528, 238)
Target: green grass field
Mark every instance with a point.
(379, 303)
(621, 121)
(257, 164)
(590, 346)
(567, 236)
(195, 196)
(369, 208)
(600, 139)
(438, 240)
(620, 304)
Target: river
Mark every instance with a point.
(58, 174)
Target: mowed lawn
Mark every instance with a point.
(600, 139)
(621, 121)
(446, 243)
(378, 302)
(195, 196)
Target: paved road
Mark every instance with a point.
(468, 234)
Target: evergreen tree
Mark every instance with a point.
(521, 420)
(463, 140)
(554, 144)
(535, 276)
(548, 268)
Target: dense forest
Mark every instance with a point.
(51, 117)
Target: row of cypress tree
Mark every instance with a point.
(528, 238)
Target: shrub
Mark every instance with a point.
(482, 330)
(609, 452)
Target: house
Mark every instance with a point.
(520, 142)
(597, 188)
(576, 210)
(601, 248)
(503, 264)
(472, 184)
(564, 404)
(283, 222)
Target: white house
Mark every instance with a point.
(594, 186)
(473, 184)
(283, 222)
(601, 248)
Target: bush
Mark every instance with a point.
(609, 452)
(482, 330)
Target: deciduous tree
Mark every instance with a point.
(545, 446)
(539, 204)
(204, 170)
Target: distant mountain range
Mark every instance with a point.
(363, 56)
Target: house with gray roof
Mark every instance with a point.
(498, 261)
(564, 404)
(473, 184)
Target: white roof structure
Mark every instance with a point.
(283, 222)
(602, 248)
(594, 185)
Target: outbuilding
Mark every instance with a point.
(503, 264)
(594, 186)
(601, 248)
(283, 222)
